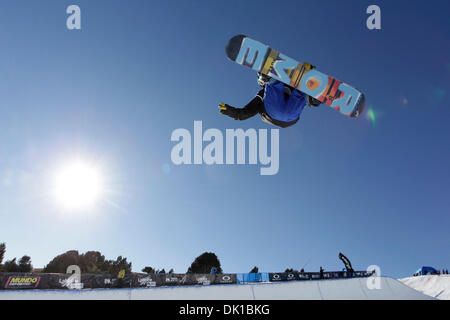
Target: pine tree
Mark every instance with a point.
(162, 271)
(93, 262)
(204, 263)
(119, 265)
(60, 263)
(11, 266)
(2, 254)
(149, 270)
(89, 262)
(254, 270)
(25, 264)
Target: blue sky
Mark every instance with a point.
(376, 188)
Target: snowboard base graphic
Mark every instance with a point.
(328, 90)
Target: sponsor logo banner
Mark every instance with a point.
(146, 282)
(225, 279)
(22, 282)
(290, 276)
(277, 277)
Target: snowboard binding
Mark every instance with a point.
(313, 102)
(263, 79)
(360, 107)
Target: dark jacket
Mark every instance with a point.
(257, 106)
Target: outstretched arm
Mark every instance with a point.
(251, 109)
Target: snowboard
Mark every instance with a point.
(328, 90)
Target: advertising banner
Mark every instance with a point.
(22, 282)
(225, 279)
(94, 281)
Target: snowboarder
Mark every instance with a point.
(277, 103)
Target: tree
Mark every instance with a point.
(2, 251)
(89, 262)
(93, 262)
(204, 263)
(25, 264)
(119, 265)
(60, 263)
(149, 270)
(171, 271)
(2, 254)
(254, 270)
(162, 271)
(11, 266)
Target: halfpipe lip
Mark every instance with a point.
(330, 289)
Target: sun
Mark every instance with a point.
(77, 185)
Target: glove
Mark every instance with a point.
(228, 110)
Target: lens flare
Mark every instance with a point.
(370, 115)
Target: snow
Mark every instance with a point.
(348, 289)
(432, 285)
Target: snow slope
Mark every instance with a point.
(348, 289)
(434, 286)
